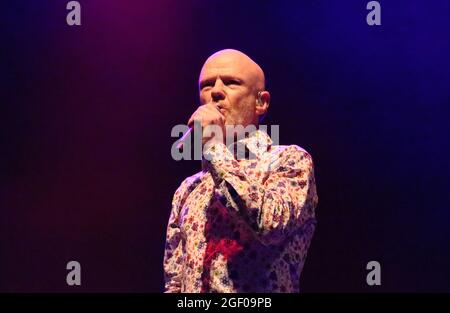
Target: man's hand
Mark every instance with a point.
(208, 114)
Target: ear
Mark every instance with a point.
(262, 103)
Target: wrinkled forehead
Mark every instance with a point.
(224, 65)
(231, 64)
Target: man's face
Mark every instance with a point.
(227, 80)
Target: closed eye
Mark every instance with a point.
(226, 82)
(232, 82)
(206, 84)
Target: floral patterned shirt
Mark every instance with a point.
(242, 225)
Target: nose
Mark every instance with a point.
(217, 92)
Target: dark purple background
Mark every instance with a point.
(86, 172)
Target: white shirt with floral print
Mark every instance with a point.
(242, 225)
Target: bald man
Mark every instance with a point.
(240, 225)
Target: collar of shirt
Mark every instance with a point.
(253, 146)
(257, 142)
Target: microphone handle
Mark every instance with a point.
(182, 139)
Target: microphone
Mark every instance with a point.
(180, 143)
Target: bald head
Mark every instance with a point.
(227, 59)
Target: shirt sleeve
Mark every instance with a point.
(280, 200)
(173, 254)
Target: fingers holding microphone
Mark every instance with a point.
(212, 122)
(207, 114)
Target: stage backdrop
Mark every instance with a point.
(87, 111)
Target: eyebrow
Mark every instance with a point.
(222, 77)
